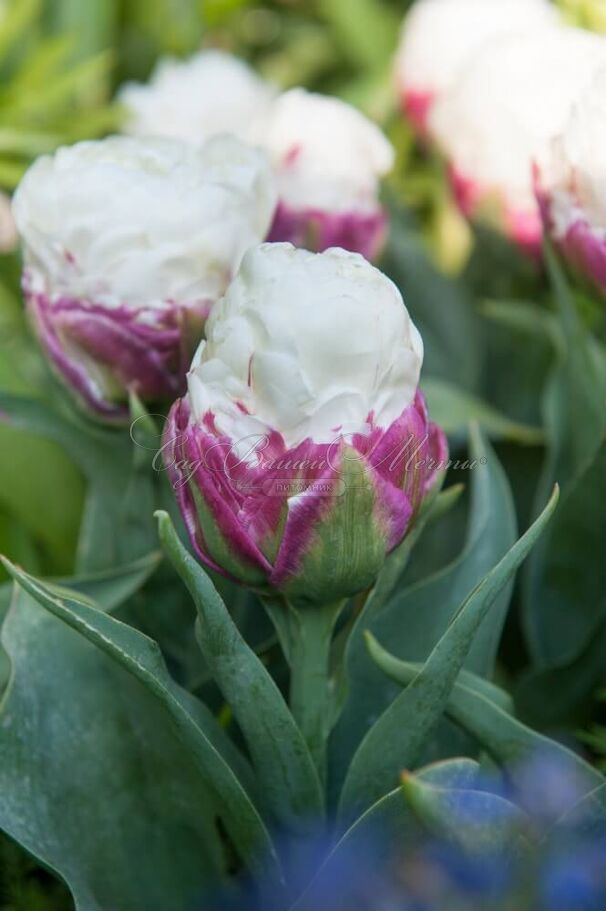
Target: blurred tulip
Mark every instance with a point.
(327, 159)
(210, 93)
(127, 244)
(502, 114)
(571, 186)
(439, 37)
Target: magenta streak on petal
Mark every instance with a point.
(318, 230)
(248, 494)
(142, 349)
(221, 496)
(416, 105)
(179, 474)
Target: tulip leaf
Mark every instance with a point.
(453, 409)
(441, 308)
(289, 780)
(141, 661)
(94, 781)
(479, 708)
(415, 617)
(109, 589)
(563, 596)
(396, 739)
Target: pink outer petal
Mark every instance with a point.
(193, 457)
(582, 247)
(249, 500)
(417, 104)
(145, 350)
(319, 230)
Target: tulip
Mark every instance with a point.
(209, 94)
(327, 160)
(571, 185)
(127, 245)
(503, 113)
(439, 37)
(303, 450)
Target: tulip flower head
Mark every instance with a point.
(572, 186)
(303, 448)
(503, 113)
(328, 159)
(211, 93)
(127, 245)
(439, 37)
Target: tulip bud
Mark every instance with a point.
(502, 114)
(327, 159)
(193, 100)
(303, 449)
(439, 37)
(572, 186)
(127, 244)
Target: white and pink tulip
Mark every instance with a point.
(328, 160)
(571, 186)
(303, 449)
(440, 37)
(502, 114)
(127, 245)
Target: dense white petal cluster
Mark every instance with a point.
(306, 344)
(325, 154)
(211, 93)
(141, 223)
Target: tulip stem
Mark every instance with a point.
(311, 684)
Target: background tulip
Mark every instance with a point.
(327, 158)
(572, 185)
(303, 449)
(439, 37)
(503, 112)
(210, 93)
(127, 244)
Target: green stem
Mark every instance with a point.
(311, 686)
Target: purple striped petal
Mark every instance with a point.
(318, 230)
(102, 352)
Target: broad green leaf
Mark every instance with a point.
(140, 659)
(563, 694)
(283, 764)
(453, 409)
(472, 706)
(111, 588)
(563, 598)
(94, 781)
(396, 739)
(414, 618)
